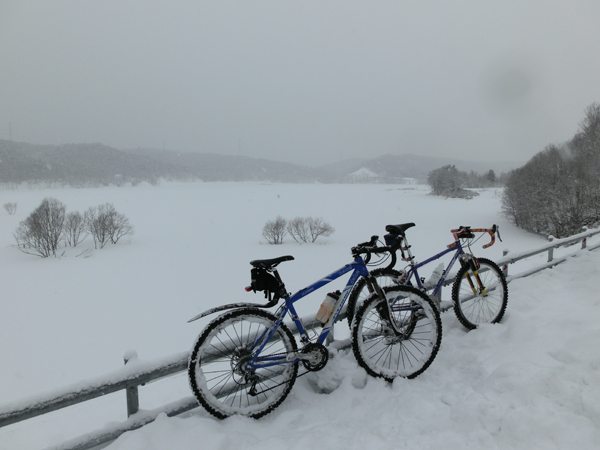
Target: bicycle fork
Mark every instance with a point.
(473, 265)
(385, 311)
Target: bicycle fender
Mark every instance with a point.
(208, 312)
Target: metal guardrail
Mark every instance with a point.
(549, 249)
(136, 373)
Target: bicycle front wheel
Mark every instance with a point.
(482, 298)
(405, 351)
(219, 369)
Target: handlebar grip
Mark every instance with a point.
(489, 244)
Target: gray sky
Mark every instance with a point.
(300, 81)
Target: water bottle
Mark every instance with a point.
(327, 307)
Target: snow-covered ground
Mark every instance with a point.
(532, 381)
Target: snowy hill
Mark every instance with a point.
(92, 165)
(531, 381)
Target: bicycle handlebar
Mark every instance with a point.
(370, 247)
(370, 243)
(467, 233)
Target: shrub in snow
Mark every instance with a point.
(42, 231)
(298, 229)
(105, 224)
(318, 227)
(308, 229)
(74, 228)
(275, 230)
(119, 226)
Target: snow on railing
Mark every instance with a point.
(553, 243)
(136, 372)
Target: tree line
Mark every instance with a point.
(558, 191)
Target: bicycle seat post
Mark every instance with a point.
(406, 247)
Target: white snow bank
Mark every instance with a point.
(531, 382)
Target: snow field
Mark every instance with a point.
(532, 381)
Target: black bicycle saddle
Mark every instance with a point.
(270, 263)
(400, 228)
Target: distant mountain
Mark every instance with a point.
(98, 165)
(395, 168)
(212, 167)
(74, 164)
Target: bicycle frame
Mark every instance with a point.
(358, 269)
(413, 271)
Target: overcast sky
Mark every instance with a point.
(300, 81)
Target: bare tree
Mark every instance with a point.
(42, 231)
(10, 208)
(119, 225)
(96, 223)
(275, 230)
(74, 228)
(105, 224)
(318, 227)
(298, 229)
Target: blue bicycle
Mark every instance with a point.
(246, 360)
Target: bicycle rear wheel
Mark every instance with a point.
(217, 367)
(476, 303)
(407, 352)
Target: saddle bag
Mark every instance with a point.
(261, 280)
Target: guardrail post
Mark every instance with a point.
(550, 250)
(584, 240)
(505, 266)
(133, 399)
